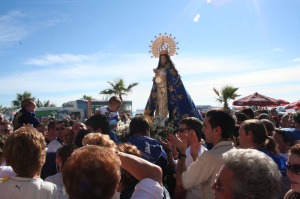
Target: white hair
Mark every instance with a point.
(256, 175)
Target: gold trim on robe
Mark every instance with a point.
(162, 96)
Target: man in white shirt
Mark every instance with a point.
(218, 128)
(53, 141)
(190, 127)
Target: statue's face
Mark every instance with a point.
(163, 59)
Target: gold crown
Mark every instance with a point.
(164, 52)
(163, 44)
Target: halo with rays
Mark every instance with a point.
(164, 44)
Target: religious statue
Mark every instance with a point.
(168, 98)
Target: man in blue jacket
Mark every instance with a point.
(150, 148)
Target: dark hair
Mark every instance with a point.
(241, 117)
(168, 61)
(193, 123)
(219, 117)
(258, 130)
(264, 111)
(268, 125)
(264, 116)
(284, 137)
(113, 100)
(249, 112)
(98, 121)
(26, 102)
(65, 151)
(139, 124)
(79, 137)
(271, 145)
(51, 125)
(297, 117)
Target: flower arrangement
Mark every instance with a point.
(162, 128)
(122, 128)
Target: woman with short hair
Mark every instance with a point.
(241, 176)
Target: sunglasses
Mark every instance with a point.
(5, 130)
(294, 168)
(60, 129)
(182, 130)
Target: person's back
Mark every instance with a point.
(19, 187)
(150, 148)
(25, 151)
(99, 123)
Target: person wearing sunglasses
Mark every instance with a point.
(293, 168)
(191, 128)
(5, 128)
(247, 173)
(218, 128)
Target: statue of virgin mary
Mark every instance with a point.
(168, 98)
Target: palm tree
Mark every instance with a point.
(21, 96)
(225, 94)
(86, 97)
(46, 103)
(4, 109)
(118, 88)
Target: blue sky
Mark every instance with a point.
(60, 50)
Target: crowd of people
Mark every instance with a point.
(228, 155)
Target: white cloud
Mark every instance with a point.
(51, 59)
(296, 60)
(11, 28)
(208, 1)
(196, 18)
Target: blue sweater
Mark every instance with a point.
(25, 117)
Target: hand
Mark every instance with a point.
(172, 141)
(181, 143)
(165, 144)
(195, 145)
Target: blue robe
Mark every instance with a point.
(180, 104)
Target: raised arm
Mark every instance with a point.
(140, 168)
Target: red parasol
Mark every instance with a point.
(256, 99)
(282, 102)
(293, 105)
